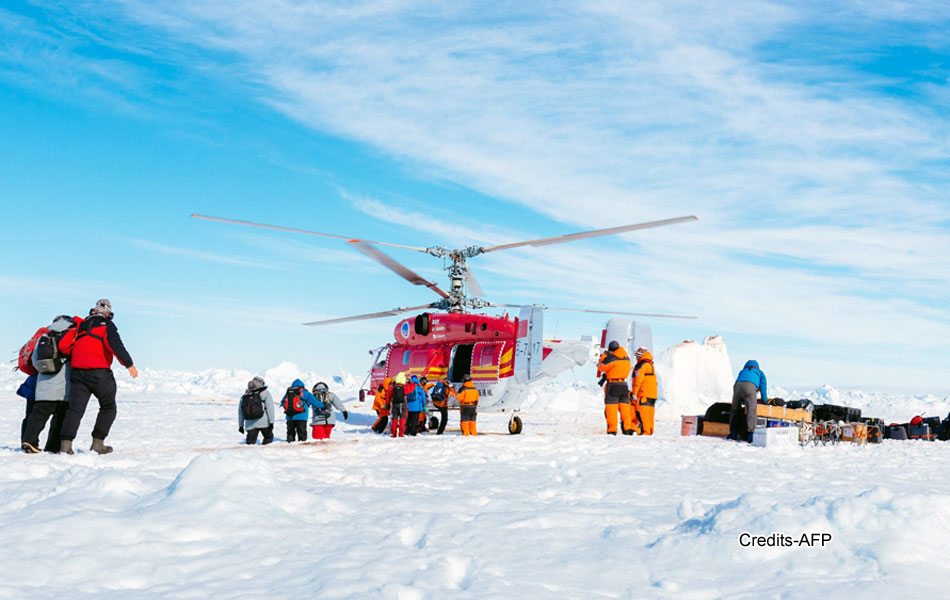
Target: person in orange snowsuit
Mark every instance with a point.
(467, 396)
(615, 366)
(380, 400)
(643, 390)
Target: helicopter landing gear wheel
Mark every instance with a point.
(433, 423)
(515, 425)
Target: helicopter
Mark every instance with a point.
(504, 355)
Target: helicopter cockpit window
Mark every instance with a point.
(405, 357)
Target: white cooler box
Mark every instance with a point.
(772, 437)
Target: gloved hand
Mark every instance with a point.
(603, 380)
(346, 415)
(241, 429)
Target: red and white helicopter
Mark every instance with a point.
(504, 355)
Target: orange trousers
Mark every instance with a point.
(468, 428)
(611, 411)
(646, 419)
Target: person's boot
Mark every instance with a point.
(66, 447)
(99, 447)
(29, 448)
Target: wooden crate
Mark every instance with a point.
(715, 429)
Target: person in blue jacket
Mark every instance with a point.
(751, 381)
(416, 403)
(296, 404)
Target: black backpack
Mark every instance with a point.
(323, 410)
(49, 360)
(252, 405)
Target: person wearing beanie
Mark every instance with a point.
(614, 365)
(51, 395)
(256, 413)
(91, 347)
(644, 390)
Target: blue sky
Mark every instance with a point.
(812, 142)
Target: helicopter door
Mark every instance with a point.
(485, 362)
(461, 363)
(529, 348)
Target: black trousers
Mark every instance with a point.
(26, 417)
(443, 419)
(412, 423)
(468, 412)
(380, 425)
(267, 432)
(297, 429)
(42, 411)
(84, 383)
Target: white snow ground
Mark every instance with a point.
(181, 510)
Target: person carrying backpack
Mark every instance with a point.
(441, 392)
(256, 413)
(415, 403)
(90, 348)
(296, 403)
(51, 394)
(323, 419)
(397, 406)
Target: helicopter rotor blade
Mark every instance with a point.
(472, 283)
(304, 231)
(599, 312)
(385, 313)
(396, 267)
(560, 239)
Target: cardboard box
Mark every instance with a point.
(775, 437)
(715, 429)
(690, 425)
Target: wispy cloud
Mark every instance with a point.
(822, 190)
(202, 255)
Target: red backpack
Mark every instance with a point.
(294, 403)
(25, 360)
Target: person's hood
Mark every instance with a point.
(469, 384)
(620, 353)
(400, 378)
(646, 356)
(751, 364)
(298, 383)
(414, 379)
(387, 381)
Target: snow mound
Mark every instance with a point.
(222, 483)
(692, 376)
(870, 535)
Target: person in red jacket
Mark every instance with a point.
(91, 347)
